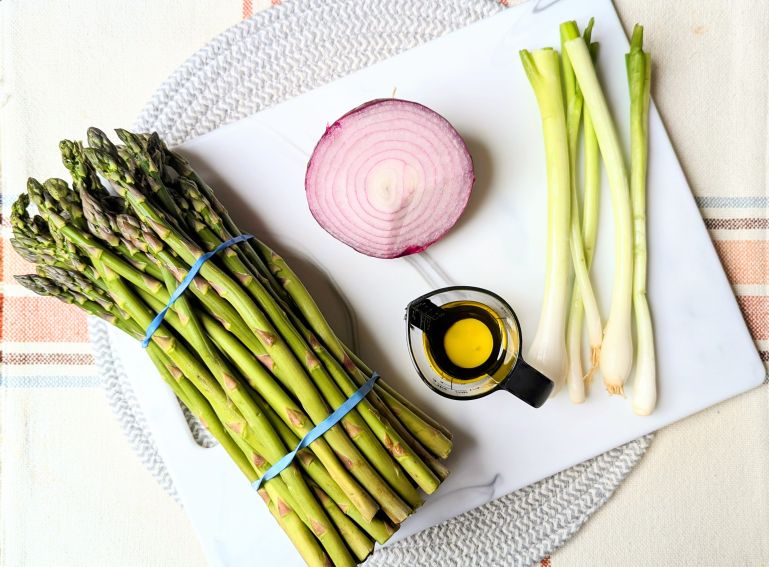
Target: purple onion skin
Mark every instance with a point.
(337, 125)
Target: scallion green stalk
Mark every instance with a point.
(582, 294)
(547, 352)
(638, 65)
(577, 380)
(617, 346)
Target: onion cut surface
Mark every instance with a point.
(389, 178)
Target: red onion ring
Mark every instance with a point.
(389, 178)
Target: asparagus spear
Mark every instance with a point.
(379, 529)
(362, 431)
(290, 413)
(297, 531)
(436, 438)
(359, 543)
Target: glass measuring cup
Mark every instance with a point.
(432, 317)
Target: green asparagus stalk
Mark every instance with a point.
(357, 428)
(432, 437)
(359, 543)
(47, 287)
(300, 535)
(379, 529)
(270, 446)
(83, 174)
(136, 149)
(293, 416)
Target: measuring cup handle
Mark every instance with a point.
(529, 384)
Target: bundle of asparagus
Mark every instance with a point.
(246, 348)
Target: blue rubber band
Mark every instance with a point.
(319, 430)
(185, 283)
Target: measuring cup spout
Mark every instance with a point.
(423, 314)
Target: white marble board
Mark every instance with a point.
(474, 78)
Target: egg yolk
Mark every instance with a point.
(468, 343)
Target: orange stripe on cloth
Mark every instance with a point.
(755, 309)
(545, 562)
(55, 358)
(745, 261)
(42, 319)
(248, 9)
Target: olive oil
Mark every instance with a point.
(465, 342)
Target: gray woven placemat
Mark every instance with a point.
(281, 53)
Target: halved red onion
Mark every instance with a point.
(389, 178)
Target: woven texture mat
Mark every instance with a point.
(281, 53)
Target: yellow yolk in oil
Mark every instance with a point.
(468, 343)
